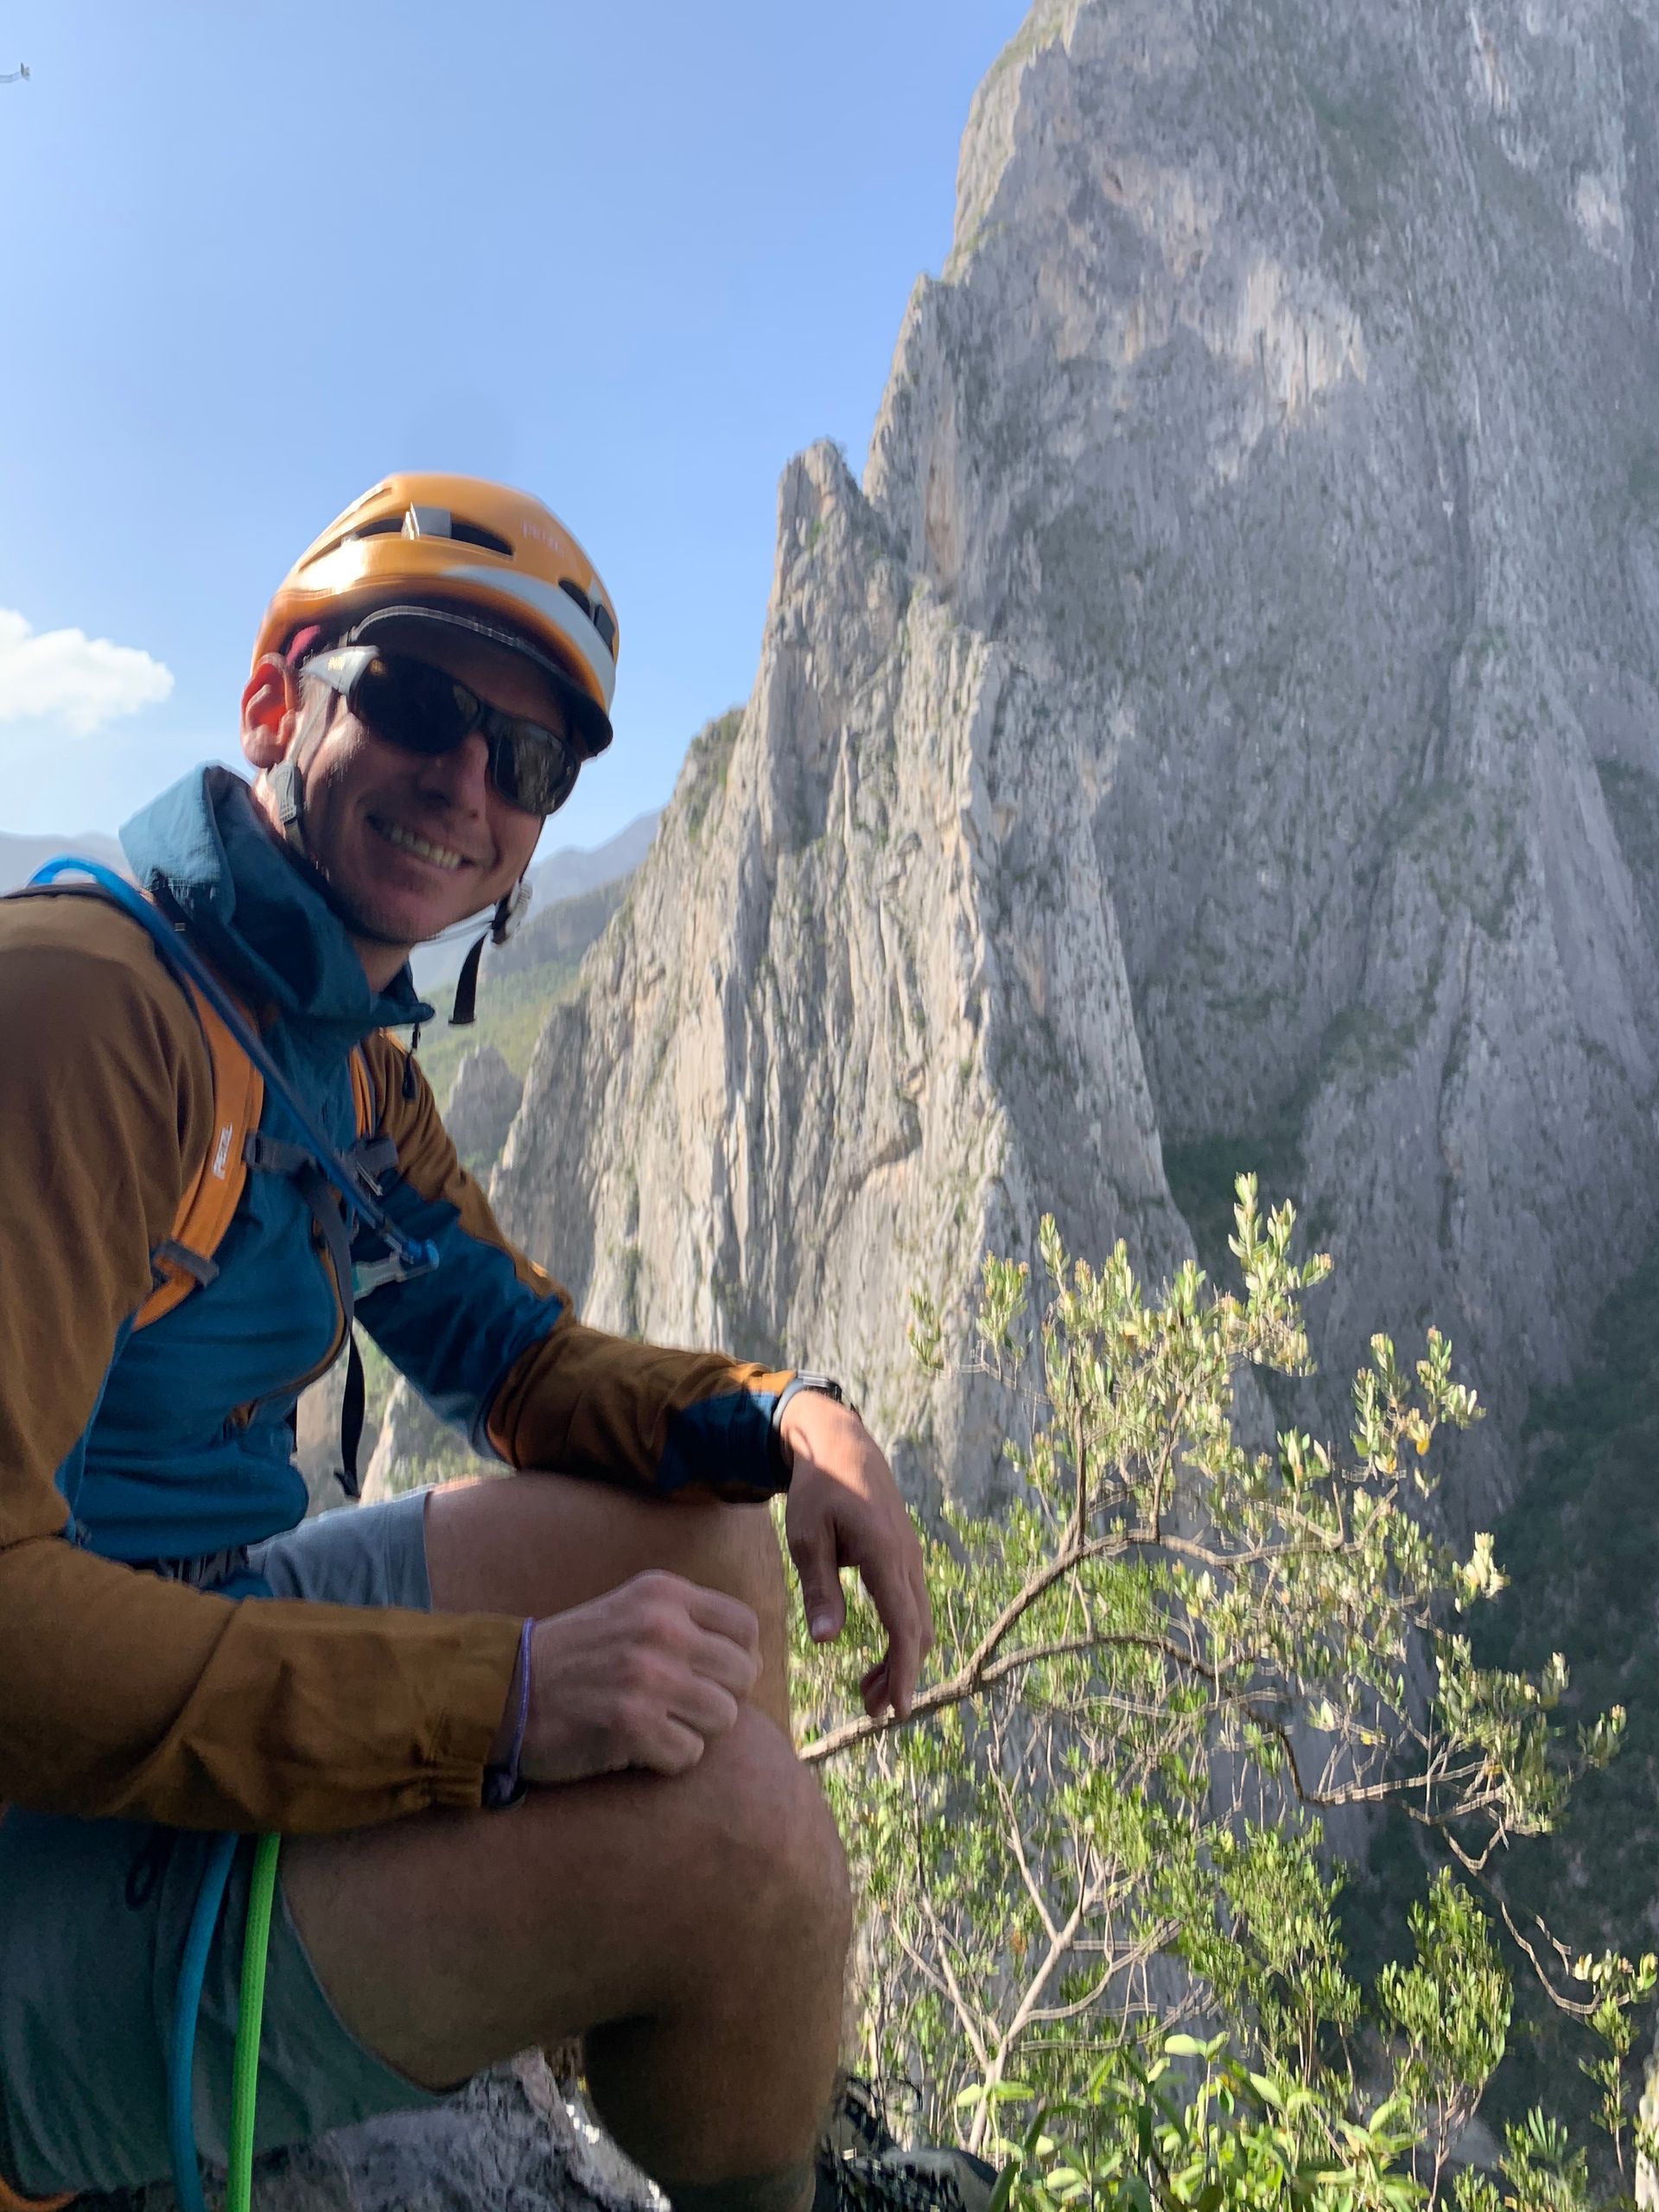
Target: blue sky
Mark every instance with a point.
(631, 257)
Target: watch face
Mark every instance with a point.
(826, 1383)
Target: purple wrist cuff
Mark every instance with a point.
(503, 1783)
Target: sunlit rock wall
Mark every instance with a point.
(1221, 728)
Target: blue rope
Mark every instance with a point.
(187, 2007)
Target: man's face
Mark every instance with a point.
(411, 843)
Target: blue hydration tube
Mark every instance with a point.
(187, 2006)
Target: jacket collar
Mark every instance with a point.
(253, 913)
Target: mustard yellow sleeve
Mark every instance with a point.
(124, 1695)
(493, 1344)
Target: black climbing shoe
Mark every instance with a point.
(858, 2127)
(903, 2181)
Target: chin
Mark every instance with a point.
(385, 921)
(400, 916)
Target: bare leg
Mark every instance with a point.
(694, 1930)
(537, 1544)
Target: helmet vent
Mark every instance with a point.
(348, 537)
(595, 609)
(438, 522)
(474, 533)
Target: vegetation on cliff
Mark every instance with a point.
(1177, 1677)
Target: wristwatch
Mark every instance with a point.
(826, 1384)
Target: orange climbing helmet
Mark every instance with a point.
(486, 551)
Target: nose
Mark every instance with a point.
(461, 777)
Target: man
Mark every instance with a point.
(178, 1657)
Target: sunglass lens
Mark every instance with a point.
(533, 767)
(413, 705)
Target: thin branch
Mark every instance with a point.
(962, 2010)
(1080, 1508)
(1572, 2006)
(1049, 2014)
(1016, 1837)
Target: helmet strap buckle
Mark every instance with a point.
(286, 788)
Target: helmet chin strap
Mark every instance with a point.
(506, 920)
(287, 789)
(286, 783)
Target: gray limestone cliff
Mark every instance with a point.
(1220, 730)
(484, 1098)
(510, 2142)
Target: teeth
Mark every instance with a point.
(439, 855)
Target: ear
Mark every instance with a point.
(270, 712)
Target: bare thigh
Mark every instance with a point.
(538, 1543)
(449, 1941)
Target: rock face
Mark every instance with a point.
(508, 2143)
(317, 1440)
(483, 1100)
(1220, 730)
(563, 932)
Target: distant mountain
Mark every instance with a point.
(21, 856)
(565, 873)
(563, 876)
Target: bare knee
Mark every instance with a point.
(762, 1845)
(543, 1543)
(735, 1548)
(730, 2070)
(755, 1573)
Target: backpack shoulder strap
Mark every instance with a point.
(184, 1258)
(364, 1099)
(345, 1173)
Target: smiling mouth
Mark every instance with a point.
(410, 841)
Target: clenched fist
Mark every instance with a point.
(644, 1676)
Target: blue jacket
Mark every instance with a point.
(176, 1440)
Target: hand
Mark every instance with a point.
(844, 1510)
(644, 1676)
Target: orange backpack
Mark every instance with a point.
(184, 1258)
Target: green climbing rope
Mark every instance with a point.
(245, 2077)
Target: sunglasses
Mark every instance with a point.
(418, 708)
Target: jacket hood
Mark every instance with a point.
(204, 846)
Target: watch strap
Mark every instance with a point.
(825, 1385)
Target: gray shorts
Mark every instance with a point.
(93, 1916)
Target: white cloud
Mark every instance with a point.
(80, 681)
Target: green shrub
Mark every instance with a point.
(1098, 1861)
